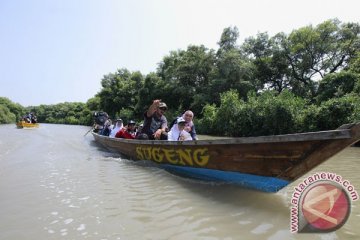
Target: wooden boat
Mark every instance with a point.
(266, 163)
(23, 124)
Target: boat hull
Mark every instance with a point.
(261, 183)
(26, 125)
(266, 163)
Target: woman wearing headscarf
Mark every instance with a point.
(189, 125)
(117, 127)
(178, 133)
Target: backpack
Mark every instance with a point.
(100, 118)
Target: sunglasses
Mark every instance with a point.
(163, 109)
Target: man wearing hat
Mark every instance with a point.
(155, 123)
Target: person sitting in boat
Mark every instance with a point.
(107, 128)
(127, 132)
(189, 125)
(140, 135)
(178, 133)
(33, 119)
(117, 127)
(155, 123)
(26, 119)
(99, 121)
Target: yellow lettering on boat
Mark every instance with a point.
(201, 157)
(185, 157)
(147, 153)
(139, 153)
(156, 155)
(169, 155)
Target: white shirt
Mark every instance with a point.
(117, 128)
(175, 134)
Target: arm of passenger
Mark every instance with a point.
(153, 108)
(193, 133)
(164, 126)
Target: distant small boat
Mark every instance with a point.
(265, 163)
(23, 124)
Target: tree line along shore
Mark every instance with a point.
(306, 80)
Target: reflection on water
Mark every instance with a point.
(57, 184)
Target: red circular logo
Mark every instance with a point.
(325, 207)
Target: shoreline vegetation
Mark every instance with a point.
(308, 80)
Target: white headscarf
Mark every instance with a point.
(118, 126)
(191, 123)
(174, 134)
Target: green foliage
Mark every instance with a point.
(309, 118)
(93, 104)
(264, 114)
(228, 38)
(270, 61)
(296, 61)
(332, 114)
(183, 75)
(14, 110)
(234, 71)
(269, 114)
(6, 116)
(207, 122)
(119, 90)
(357, 87)
(153, 88)
(225, 119)
(337, 85)
(63, 113)
(354, 64)
(125, 115)
(71, 120)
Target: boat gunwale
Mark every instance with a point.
(295, 137)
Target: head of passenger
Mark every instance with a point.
(108, 122)
(131, 125)
(119, 122)
(161, 109)
(188, 116)
(181, 123)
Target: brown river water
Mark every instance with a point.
(56, 183)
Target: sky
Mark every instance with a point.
(54, 51)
